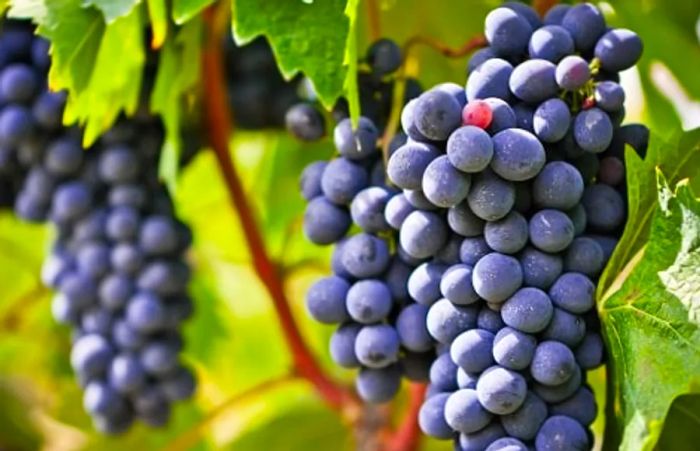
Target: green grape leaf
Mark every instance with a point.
(682, 426)
(652, 322)
(178, 72)
(158, 14)
(184, 10)
(678, 158)
(99, 64)
(112, 9)
(305, 36)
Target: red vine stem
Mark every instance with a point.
(219, 124)
(407, 436)
(450, 52)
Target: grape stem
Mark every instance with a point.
(219, 126)
(450, 52)
(373, 19)
(407, 435)
(542, 6)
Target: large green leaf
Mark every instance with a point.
(184, 10)
(306, 36)
(100, 65)
(652, 322)
(178, 73)
(682, 427)
(677, 159)
(112, 9)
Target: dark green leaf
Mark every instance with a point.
(682, 426)
(652, 322)
(308, 37)
(112, 9)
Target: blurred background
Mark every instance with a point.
(234, 341)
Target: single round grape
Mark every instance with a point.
(126, 374)
(503, 116)
(507, 32)
(559, 185)
(593, 130)
(93, 259)
(122, 225)
(16, 125)
(517, 155)
(533, 81)
(611, 171)
(490, 79)
(365, 255)
(18, 83)
(586, 24)
(446, 321)
(584, 255)
(305, 122)
(378, 385)
(342, 180)
(574, 292)
(408, 123)
(159, 235)
(367, 209)
(618, 49)
(91, 355)
(551, 43)
(609, 96)
(470, 149)
(581, 407)
(456, 285)
(384, 56)
(437, 113)
(70, 201)
(526, 11)
(179, 384)
(477, 113)
(412, 329)
(423, 234)
(561, 433)
(513, 349)
(118, 164)
(496, 277)
(145, 312)
(526, 421)
(480, 56)
(101, 399)
(471, 350)
(572, 73)
(500, 390)
(507, 235)
(566, 328)
(160, 357)
(589, 353)
(557, 393)
(540, 269)
(481, 439)
(48, 109)
(126, 337)
(63, 157)
(490, 197)
(551, 120)
(472, 250)
(555, 14)
(325, 300)
(431, 417)
(553, 363)
(369, 301)
(443, 373)
(463, 221)
(356, 144)
(424, 283)
(407, 165)
(396, 210)
(377, 346)
(443, 184)
(528, 310)
(164, 278)
(310, 180)
(551, 230)
(342, 345)
(605, 208)
(463, 412)
(126, 258)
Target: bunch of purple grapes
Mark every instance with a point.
(379, 327)
(30, 120)
(512, 203)
(120, 274)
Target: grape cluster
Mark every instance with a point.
(512, 202)
(375, 81)
(119, 271)
(30, 120)
(381, 331)
(258, 94)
